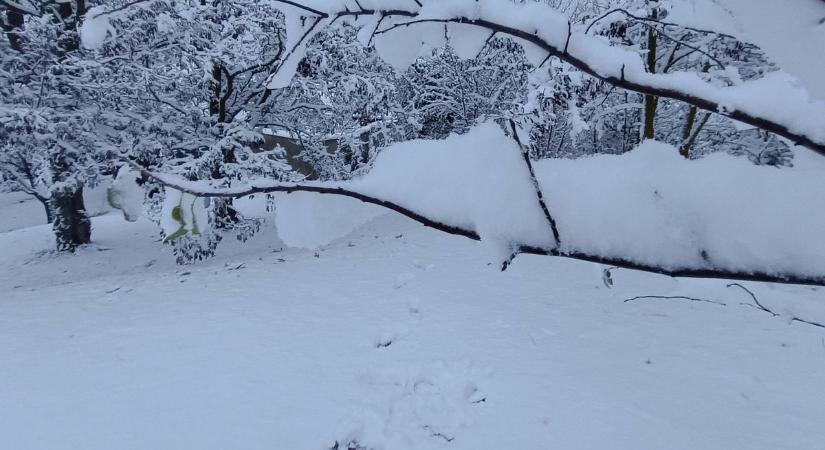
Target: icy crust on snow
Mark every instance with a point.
(477, 181)
(653, 207)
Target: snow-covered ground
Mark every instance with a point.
(396, 336)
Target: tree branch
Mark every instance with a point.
(761, 307)
(703, 101)
(539, 195)
(675, 297)
(189, 188)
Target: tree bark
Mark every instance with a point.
(13, 25)
(651, 101)
(71, 224)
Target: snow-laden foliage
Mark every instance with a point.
(225, 94)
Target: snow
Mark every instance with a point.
(790, 32)
(191, 214)
(482, 169)
(20, 211)
(126, 195)
(466, 40)
(265, 347)
(402, 46)
(341, 322)
(652, 206)
(95, 28)
(306, 220)
(793, 106)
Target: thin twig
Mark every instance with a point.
(755, 300)
(762, 307)
(675, 297)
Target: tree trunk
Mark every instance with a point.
(651, 101)
(13, 25)
(684, 149)
(71, 223)
(49, 214)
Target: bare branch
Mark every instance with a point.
(755, 300)
(761, 307)
(675, 297)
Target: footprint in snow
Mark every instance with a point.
(403, 279)
(391, 335)
(415, 405)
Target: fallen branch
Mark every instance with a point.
(758, 305)
(288, 188)
(755, 300)
(675, 297)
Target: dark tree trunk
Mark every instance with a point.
(49, 214)
(651, 101)
(13, 25)
(71, 223)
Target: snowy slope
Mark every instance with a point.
(397, 336)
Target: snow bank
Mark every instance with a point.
(652, 206)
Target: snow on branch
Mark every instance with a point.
(609, 210)
(773, 103)
(22, 7)
(200, 189)
(203, 190)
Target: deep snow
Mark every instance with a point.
(395, 335)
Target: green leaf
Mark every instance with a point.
(176, 215)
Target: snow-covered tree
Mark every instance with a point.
(48, 123)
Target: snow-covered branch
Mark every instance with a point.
(201, 189)
(755, 103)
(480, 189)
